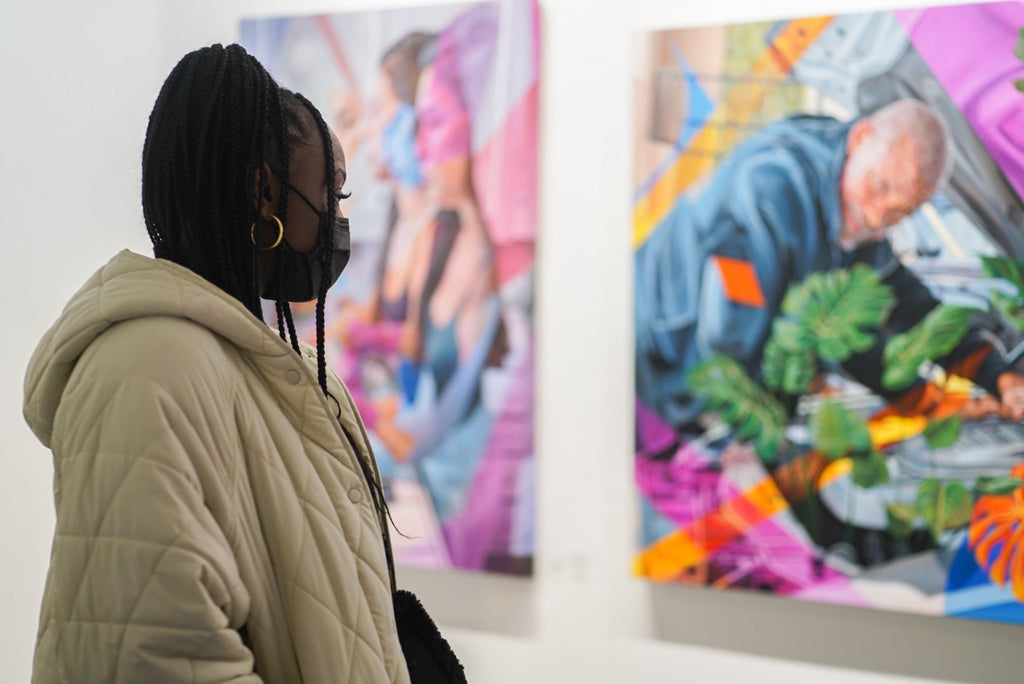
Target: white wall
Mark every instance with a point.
(77, 84)
(77, 81)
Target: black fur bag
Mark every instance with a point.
(427, 654)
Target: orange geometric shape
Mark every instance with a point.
(739, 280)
(671, 557)
(668, 559)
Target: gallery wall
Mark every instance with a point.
(79, 81)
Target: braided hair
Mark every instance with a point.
(218, 119)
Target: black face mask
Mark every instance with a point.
(302, 275)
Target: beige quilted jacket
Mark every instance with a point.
(202, 483)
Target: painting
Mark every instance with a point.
(431, 323)
(828, 240)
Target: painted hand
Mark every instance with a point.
(1011, 392)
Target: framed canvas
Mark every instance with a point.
(828, 234)
(431, 324)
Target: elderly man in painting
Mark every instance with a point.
(804, 195)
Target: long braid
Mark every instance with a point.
(290, 322)
(258, 149)
(326, 237)
(279, 309)
(284, 316)
(295, 133)
(327, 249)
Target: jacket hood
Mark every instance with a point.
(132, 286)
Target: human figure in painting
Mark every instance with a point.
(370, 330)
(454, 328)
(805, 194)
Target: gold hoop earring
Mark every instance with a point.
(280, 234)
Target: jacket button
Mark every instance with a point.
(354, 495)
(293, 376)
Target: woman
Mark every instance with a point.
(219, 513)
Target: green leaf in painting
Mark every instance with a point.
(870, 470)
(768, 443)
(834, 348)
(943, 432)
(943, 505)
(934, 337)
(1002, 267)
(1018, 49)
(854, 302)
(1012, 308)
(747, 426)
(799, 373)
(860, 341)
(945, 326)
(837, 431)
(773, 364)
(999, 486)
(790, 335)
(837, 313)
(901, 519)
(751, 412)
(898, 376)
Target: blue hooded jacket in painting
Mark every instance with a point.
(712, 275)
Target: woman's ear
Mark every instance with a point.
(268, 195)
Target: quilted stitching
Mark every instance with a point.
(297, 531)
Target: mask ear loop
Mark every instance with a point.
(280, 234)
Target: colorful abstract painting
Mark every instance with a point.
(431, 324)
(829, 297)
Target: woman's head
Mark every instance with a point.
(400, 64)
(225, 148)
(228, 154)
(443, 135)
(394, 115)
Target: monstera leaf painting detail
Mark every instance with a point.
(944, 505)
(901, 519)
(943, 432)
(1004, 268)
(838, 313)
(830, 317)
(932, 338)
(789, 363)
(752, 413)
(997, 485)
(870, 470)
(837, 431)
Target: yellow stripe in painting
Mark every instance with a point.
(841, 467)
(892, 429)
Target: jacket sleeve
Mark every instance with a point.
(755, 236)
(143, 586)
